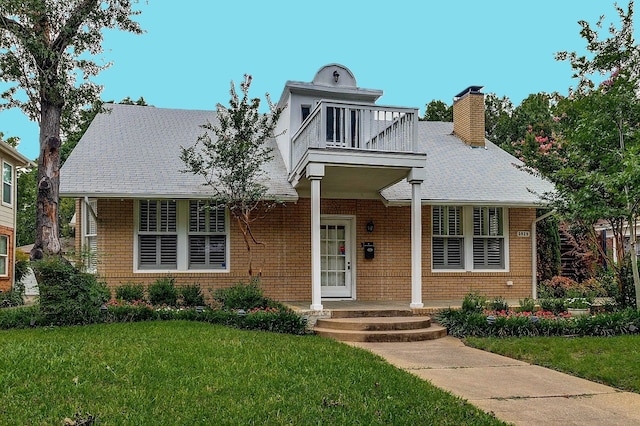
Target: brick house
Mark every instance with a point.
(11, 160)
(377, 205)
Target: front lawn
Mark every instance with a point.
(609, 360)
(181, 372)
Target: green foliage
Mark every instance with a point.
(68, 296)
(527, 305)
(242, 296)
(498, 304)
(438, 111)
(548, 245)
(192, 295)
(13, 297)
(130, 292)
(19, 317)
(230, 157)
(473, 302)
(497, 117)
(21, 265)
(463, 324)
(26, 207)
(553, 304)
(163, 292)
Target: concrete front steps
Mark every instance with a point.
(378, 326)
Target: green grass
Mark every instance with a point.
(178, 372)
(609, 360)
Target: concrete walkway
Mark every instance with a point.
(514, 391)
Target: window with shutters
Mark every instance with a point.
(448, 238)
(469, 238)
(181, 235)
(488, 238)
(207, 236)
(158, 236)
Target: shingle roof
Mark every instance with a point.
(457, 173)
(134, 151)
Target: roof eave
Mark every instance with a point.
(115, 195)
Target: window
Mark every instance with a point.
(469, 238)
(181, 235)
(90, 230)
(158, 239)
(448, 238)
(4, 255)
(7, 183)
(488, 238)
(305, 110)
(207, 236)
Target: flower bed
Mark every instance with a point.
(505, 323)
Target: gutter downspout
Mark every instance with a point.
(534, 253)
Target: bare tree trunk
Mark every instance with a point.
(47, 229)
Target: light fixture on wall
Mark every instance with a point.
(370, 226)
(336, 76)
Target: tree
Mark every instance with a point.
(230, 156)
(438, 111)
(44, 45)
(497, 115)
(594, 156)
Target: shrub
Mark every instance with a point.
(242, 296)
(13, 297)
(554, 305)
(192, 295)
(21, 265)
(463, 324)
(499, 304)
(527, 305)
(68, 296)
(557, 287)
(20, 317)
(163, 292)
(473, 302)
(130, 292)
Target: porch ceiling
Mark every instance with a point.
(354, 173)
(353, 182)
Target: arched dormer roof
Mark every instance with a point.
(335, 75)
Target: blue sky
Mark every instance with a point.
(415, 51)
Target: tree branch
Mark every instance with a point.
(70, 28)
(14, 28)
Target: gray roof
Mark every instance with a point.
(457, 173)
(134, 151)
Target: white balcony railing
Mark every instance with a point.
(351, 126)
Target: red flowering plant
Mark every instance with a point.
(515, 314)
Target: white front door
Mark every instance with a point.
(335, 258)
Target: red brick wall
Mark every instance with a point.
(7, 281)
(285, 260)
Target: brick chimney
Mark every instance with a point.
(468, 116)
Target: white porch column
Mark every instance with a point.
(315, 173)
(415, 178)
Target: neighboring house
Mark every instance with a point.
(377, 205)
(11, 160)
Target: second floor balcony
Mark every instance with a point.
(358, 135)
(363, 127)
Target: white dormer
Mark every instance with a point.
(336, 125)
